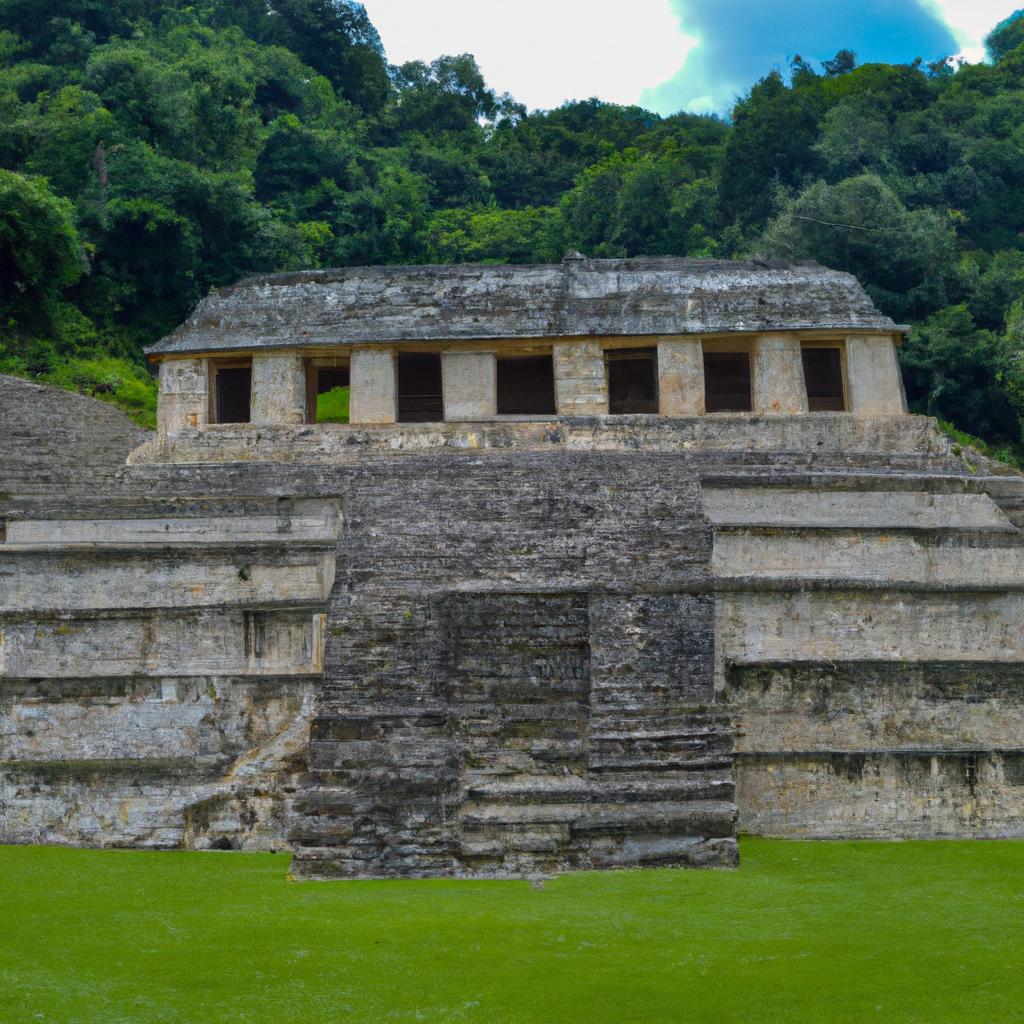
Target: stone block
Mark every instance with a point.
(183, 402)
(873, 377)
(278, 388)
(374, 382)
(581, 383)
(469, 384)
(680, 377)
(787, 507)
(778, 376)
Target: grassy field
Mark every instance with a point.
(814, 932)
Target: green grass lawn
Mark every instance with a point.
(813, 932)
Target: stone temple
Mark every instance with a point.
(611, 561)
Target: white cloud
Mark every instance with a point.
(971, 20)
(543, 51)
(547, 51)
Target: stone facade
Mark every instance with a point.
(504, 646)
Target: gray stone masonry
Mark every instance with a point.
(504, 649)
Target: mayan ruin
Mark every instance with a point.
(612, 561)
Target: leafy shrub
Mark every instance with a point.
(332, 406)
(122, 383)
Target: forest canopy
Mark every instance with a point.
(153, 149)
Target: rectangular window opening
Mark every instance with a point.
(632, 380)
(232, 392)
(823, 377)
(328, 392)
(419, 388)
(526, 386)
(727, 382)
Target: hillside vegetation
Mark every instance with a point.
(153, 149)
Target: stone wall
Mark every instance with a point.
(54, 441)
(495, 649)
(158, 659)
(518, 672)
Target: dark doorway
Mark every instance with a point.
(419, 388)
(233, 393)
(526, 386)
(727, 382)
(823, 376)
(632, 380)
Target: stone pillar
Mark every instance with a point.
(581, 383)
(469, 382)
(278, 388)
(183, 402)
(374, 383)
(873, 378)
(778, 376)
(680, 377)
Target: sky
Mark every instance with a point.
(670, 55)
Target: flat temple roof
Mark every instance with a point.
(578, 297)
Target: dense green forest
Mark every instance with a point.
(153, 149)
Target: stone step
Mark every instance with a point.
(700, 817)
(535, 790)
(603, 763)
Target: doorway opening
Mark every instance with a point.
(632, 380)
(420, 398)
(727, 382)
(526, 386)
(232, 391)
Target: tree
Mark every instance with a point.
(904, 257)
(1006, 36)
(41, 256)
(447, 95)
(772, 143)
(40, 251)
(957, 372)
(841, 64)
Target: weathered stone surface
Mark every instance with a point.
(469, 385)
(778, 376)
(374, 386)
(152, 762)
(577, 298)
(486, 648)
(906, 441)
(581, 385)
(831, 508)
(873, 372)
(52, 441)
(680, 377)
(890, 795)
(278, 388)
(184, 395)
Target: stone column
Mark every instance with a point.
(374, 383)
(183, 402)
(873, 378)
(581, 384)
(469, 382)
(778, 376)
(278, 388)
(680, 377)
